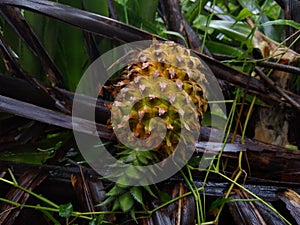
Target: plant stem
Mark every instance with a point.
(254, 195)
(30, 192)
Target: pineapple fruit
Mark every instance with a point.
(161, 68)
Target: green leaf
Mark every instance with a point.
(128, 158)
(220, 48)
(142, 10)
(284, 23)
(237, 31)
(249, 98)
(107, 200)
(65, 210)
(122, 181)
(148, 189)
(273, 11)
(126, 202)
(132, 172)
(29, 61)
(96, 6)
(132, 214)
(244, 13)
(291, 147)
(116, 205)
(70, 52)
(97, 221)
(148, 154)
(176, 34)
(139, 13)
(251, 5)
(115, 191)
(136, 193)
(164, 196)
(215, 204)
(142, 159)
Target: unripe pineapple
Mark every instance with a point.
(173, 62)
(170, 79)
(161, 60)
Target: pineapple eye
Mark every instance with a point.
(143, 58)
(156, 46)
(156, 73)
(162, 86)
(179, 84)
(172, 73)
(158, 53)
(145, 65)
(199, 66)
(162, 61)
(199, 92)
(190, 63)
(186, 52)
(179, 59)
(177, 49)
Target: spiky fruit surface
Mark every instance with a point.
(164, 82)
(174, 64)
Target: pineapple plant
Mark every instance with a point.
(166, 83)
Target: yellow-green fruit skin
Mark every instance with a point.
(164, 61)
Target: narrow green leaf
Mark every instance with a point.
(50, 217)
(283, 23)
(132, 172)
(251, 5)
(29, 61)
(176, 34)
(122, 181)
(96, 6)
(136, 193)
(128, 158)
(97, 221)
(70, 52)
(65, 210)
(244, 13)
(132, 214)
(220, 48)
(273, 11)
(126, 202)
(148, 9)
(291, 147)
(237, 31)
(142, 159)
(116, 205)
(148, 154)
(107, 201)
(115, 191)
(148, 189)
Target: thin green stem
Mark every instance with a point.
(202, 212)
(228, 193)
(254, 195)
(207, 28)
(169, 202)
(223, 101)
(47, 201)
(38, 207)
(12, 176)
(125, 12)
(228, 126)
(195, 196)
(247, 119)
